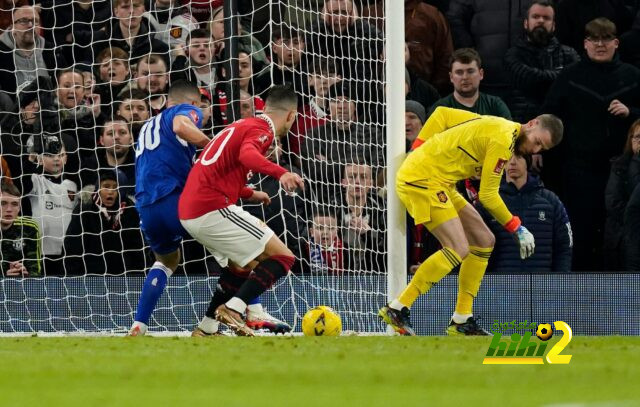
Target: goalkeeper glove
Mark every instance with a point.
(525, 241)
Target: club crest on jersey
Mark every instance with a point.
(263, 139)
(442, 197)
(194, 116)
(499, 166)
(176, 32)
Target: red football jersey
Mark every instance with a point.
(219, 176)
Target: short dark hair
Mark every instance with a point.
(112, 119)
(543, 3)
(554, 125)
(182, 90)
(198, 33)
(282, 97)
(286, 32)
(465, 56)
(131, 93)
(10, 189)
(600, 27)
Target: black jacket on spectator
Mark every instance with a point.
(623, 179)
(97, 245)
(143, 44)
(573, 15)
(631, 232)
(533, 69)
(421, 91)
(491, 27)
(356, 50)
(544, 215)
(97, 161)
(61, 18)
(578, 168)
(630, 44)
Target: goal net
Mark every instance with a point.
(77, 92)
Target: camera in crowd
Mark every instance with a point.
(47, 144)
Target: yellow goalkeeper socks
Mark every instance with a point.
(430, 272)
(471, 273)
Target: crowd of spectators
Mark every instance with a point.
(78, 78)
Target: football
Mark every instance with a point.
(321, 321)
(544, 332)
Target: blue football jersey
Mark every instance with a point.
(163, 160)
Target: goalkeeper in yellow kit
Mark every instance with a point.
(454, 145)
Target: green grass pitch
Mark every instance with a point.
(299, 371)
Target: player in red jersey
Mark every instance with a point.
(208, 211)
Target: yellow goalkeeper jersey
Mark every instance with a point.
(454, 145)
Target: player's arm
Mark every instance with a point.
(441, 119)
(188, 131)
(492, 169)
(252, 158)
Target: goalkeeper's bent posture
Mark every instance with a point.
(454, 145)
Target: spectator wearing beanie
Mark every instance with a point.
(415, 116)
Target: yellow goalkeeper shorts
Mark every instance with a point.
(431, 205)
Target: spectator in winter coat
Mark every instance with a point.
(466, 73)
(24, 54)
(361, 218)
(127, 30)
(115, 152)
(573, 15)
(62, 18)
(630, 44)
(624, 179)
(20, 252)
(597, 99)
(341, 139)
(104, 233)
(535, 61)
(429, 38)
(542, 213)
(491, 27)
(354, 43)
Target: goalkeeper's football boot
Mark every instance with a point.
(234, 320)
(258, 318)
(468, 328)
(398, 320)
(199, 333)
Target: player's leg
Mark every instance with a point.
(451, 236)
(481, 242)
(433, 207)
(234, 234)
(164, 234)
(274, 262)
(230, 280)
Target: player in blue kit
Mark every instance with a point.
(164, 155)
